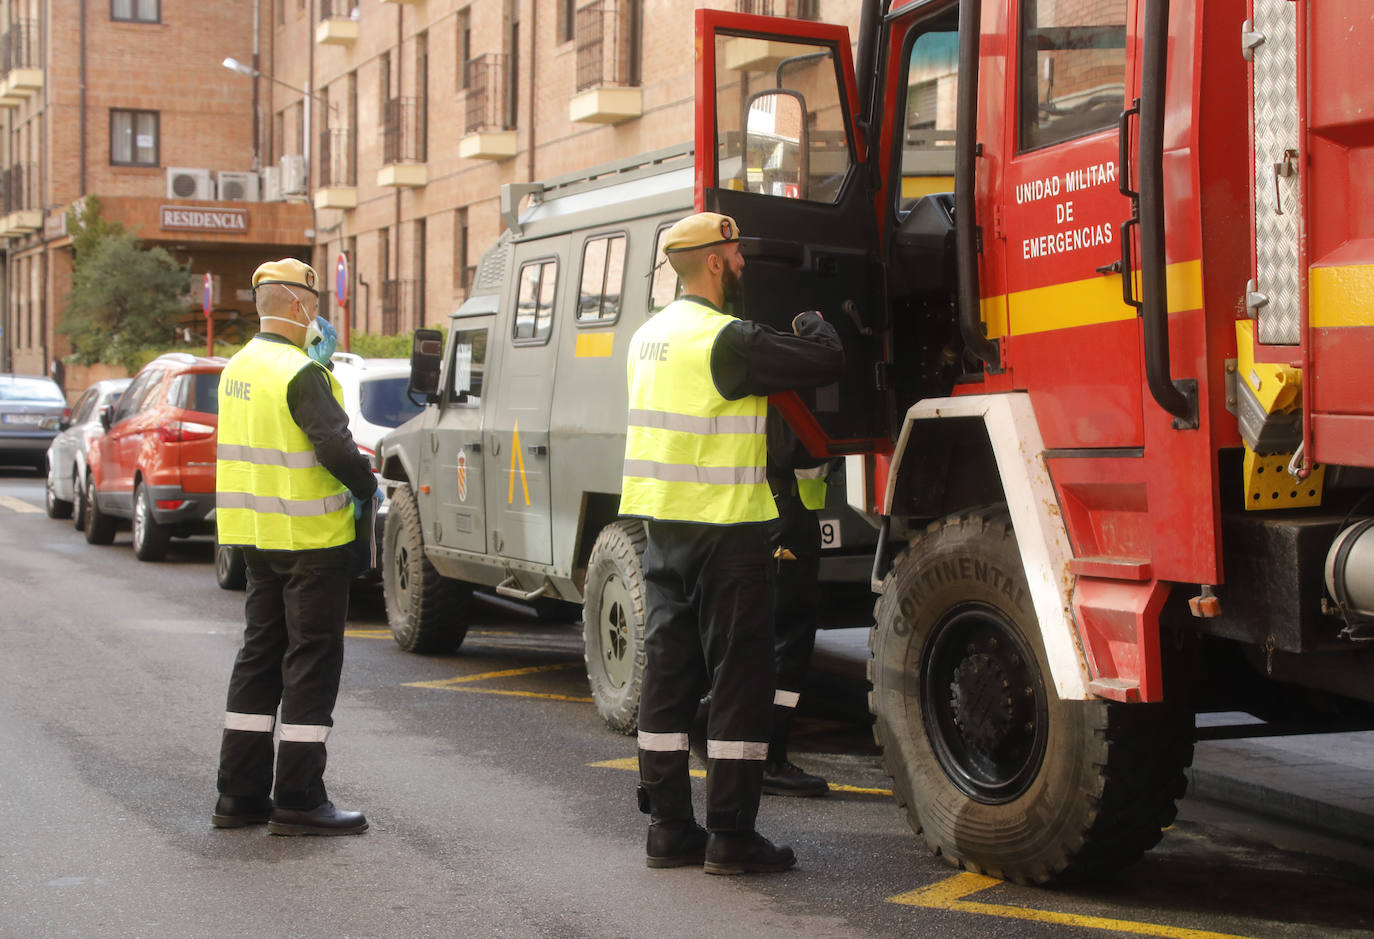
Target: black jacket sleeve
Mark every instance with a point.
(313, 407)
(753, 359)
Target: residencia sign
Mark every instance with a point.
(180, 218)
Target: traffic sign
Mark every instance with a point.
(341, 279)
(206, 294)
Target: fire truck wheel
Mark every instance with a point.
(996, 772)
(613, 624)
(426, 610)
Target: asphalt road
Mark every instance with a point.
(500, 806)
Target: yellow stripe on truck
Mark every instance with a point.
(1341, 296)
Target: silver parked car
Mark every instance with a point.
(67, 453)
(31, 412)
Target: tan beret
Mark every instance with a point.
(287, 271)
(700, 231)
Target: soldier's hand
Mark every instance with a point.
(800, 315)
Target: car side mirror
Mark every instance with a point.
(106, 413)
(65, 420)
(426, 358)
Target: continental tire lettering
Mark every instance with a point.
(955, 570)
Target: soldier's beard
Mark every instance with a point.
(731, 288)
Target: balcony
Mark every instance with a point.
(403, 144)
(398, 306)
(337, 26)
(607, 92)
(488, 133)
(338, 183)
(19, 199)
(20, 62)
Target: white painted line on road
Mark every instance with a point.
(16, 504)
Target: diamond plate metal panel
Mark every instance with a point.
(1277, 207)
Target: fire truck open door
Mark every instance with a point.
(778, 149)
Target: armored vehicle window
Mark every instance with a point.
(932, 86)
(665, 286)
(467, 368)
(534, 303)
(603, 276)
(1073, 68)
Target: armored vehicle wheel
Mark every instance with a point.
(55, 507)
(231, 570)
(613, 624)
(100, 528)
(150, 536)
(80, 500)
(1000, 775)
(427, 611)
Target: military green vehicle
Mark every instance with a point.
(509, 482)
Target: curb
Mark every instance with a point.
(1280, 804)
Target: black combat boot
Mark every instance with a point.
(675, 843)
(323, 819)
(745, 852)
(788, 779)
(241, 811)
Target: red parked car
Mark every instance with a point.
(155, 465)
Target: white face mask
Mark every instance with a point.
(312, 330)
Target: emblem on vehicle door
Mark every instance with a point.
(462, 476)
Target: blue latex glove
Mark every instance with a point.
(360, 505)
(323, 348)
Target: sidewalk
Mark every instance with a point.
(1324, 782)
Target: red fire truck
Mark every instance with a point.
(1104, 271)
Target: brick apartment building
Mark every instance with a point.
(379, 129)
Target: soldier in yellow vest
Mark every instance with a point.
(289, 484)
(695, 472)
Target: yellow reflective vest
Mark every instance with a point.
(811, 484)
(270, 490)
(691, 455)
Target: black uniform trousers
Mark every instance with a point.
(709, 623)
(292, 657)
(796, 597)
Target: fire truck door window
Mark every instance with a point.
(666, 286)
(534, 303)
(1073, 68)
(603, 275)
(467, 368)
(782, 101)
(932, 86)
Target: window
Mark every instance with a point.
(383, 401)
(81, 411)
(133, 138)
(534, 303)
(420, 267)
(665, 286)
(135, 11)
(932, 89)
(603, 274)
(464, 46)
(567, 20)
(422, 94)
(129, 401)
(1073, 69)
(196, 391)
(462, 274)
(467, 367)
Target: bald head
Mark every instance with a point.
(274, 300)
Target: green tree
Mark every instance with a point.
(124, 297)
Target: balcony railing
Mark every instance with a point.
(403, 131)
(19, 47)
(794, 9)
(19, 188)
(488, 103)
(398, 301)
(603, 46)
(336, 163)
(337, 9)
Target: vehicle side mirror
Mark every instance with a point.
(426, 359)
(106, 413)
(777, 148)
(66, 420)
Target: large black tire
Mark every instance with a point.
(231, 570)
(613, 613)
(996, 772)
(100, 528)
(426, 610)
(55, 507)
(80, 500)
(150, 536)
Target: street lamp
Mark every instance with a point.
(243, 68)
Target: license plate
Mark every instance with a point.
(33, 419)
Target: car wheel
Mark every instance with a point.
(427, 611)
(150, 538)
(100, 528)
(56, 508)
(80, 501)
(231, 568)
(613, 615)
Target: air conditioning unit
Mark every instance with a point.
(183, 183)
(271, 184)
(237, 187)
(292, 175)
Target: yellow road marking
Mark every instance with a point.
(949, 895)
(19, 505)
(631, 763)
(521, 694)
(503, 673)
(375, 633)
